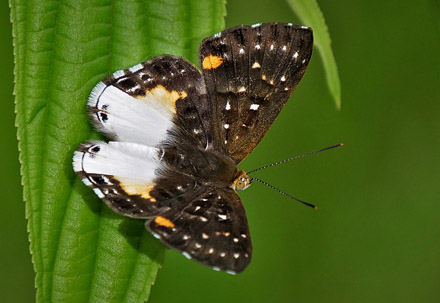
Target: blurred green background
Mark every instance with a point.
(375, 236)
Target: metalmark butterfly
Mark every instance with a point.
(177, 135)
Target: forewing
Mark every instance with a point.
(144, 103)
(129, 178)
(211, 228)
(250, 72)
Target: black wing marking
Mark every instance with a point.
(250, 72)
(210, 228)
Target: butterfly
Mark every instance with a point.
(177, 135)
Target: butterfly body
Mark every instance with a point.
(177, 135)
(207, 167)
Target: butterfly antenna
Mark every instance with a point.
(285, 194)
(293, 158)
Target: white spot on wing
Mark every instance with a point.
(236, 255)
(186, 254)
(135, 68)
(86, 181)
(242, 89)
(106, 180)
(256, 65)
(295, 55)
(283, 78)
(222, 217)
(98, 192)
(254, 106)
(226, 126)
(257, 46)
(241, 51)
(228, 106)
(256, 25)
(118, 73)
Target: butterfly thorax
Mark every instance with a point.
(208, 167)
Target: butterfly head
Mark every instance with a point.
(241, 181)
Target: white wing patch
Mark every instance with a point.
(133, 166)
(125, 118)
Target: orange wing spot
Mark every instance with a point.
(132, 188)
(162, 221)
(167, 98)
(211, 61)
(147, 195)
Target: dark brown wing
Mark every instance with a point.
(250, 72)
(210, 226)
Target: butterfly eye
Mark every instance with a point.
(242, 182)
(239, 185)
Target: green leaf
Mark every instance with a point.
(310, 14)
(81, 250)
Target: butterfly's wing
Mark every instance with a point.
(145, 103)
(159, 101)
(130, 178)
(250, 72)
(205, 223)
(210, 228)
